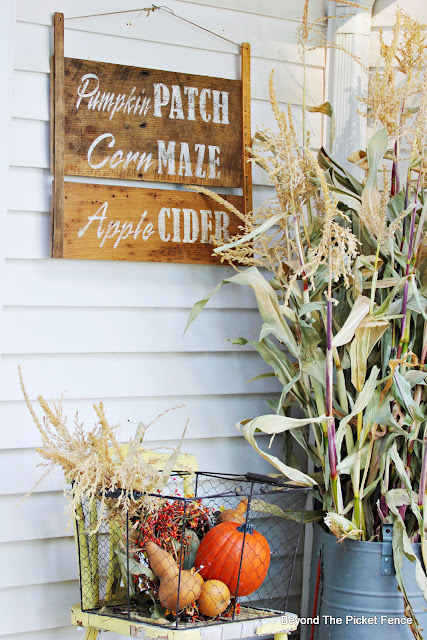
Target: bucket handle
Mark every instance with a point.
(387, 564)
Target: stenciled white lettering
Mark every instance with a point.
(166, 156)
(191, 92)
(166, 159)
(176, 104)
(161, 98)
(189, 226)
(118, 157)
(109, 101)
(116, 228)
(205, 93)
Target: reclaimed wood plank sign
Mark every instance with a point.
(157, 228)
(130, 123)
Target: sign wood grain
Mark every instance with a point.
(103, 222)
(145, 124)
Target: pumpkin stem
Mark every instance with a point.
(246, 527)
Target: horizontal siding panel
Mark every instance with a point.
(93, 283)
(27, 234)
(20, 470)
(38, 562)
(384, 11)
(59, 633)
(29, 144)
(29, 189)
(37, 607)
(275, 8)
(36, 85)
(214, 416)
(130, 375)
(94, 46)
(269, 38)
(41, 12)
(39, 331)
(39, 517)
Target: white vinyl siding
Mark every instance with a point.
(113, 331)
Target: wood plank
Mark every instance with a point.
(237, 630)
(51, 116)
(38, 109)
(125, 330)
(47, 612)
(35, 197)
(29, 136)
(144, 116)
(38, 180)
(126, 223)
(58, 130)
(246, 127)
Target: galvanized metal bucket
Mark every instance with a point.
(355, 600)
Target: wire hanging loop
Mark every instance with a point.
(152, 9)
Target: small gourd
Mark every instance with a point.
(161, 562)
(234, 515)
(165, 568)
(214, 598)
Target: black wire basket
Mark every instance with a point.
(215, 548)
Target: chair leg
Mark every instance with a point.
(91, 633)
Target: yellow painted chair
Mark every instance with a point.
(96, 622)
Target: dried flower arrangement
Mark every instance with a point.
(96, 463)
(345, 311)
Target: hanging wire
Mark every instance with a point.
(151, 9)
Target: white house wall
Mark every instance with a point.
(112, 331)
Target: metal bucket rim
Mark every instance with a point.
(369, 547)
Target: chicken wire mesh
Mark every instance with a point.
(214, 548)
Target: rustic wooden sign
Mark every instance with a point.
(116, 121)
(145, 124)
(127, 223)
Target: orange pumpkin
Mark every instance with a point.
(220, 553)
